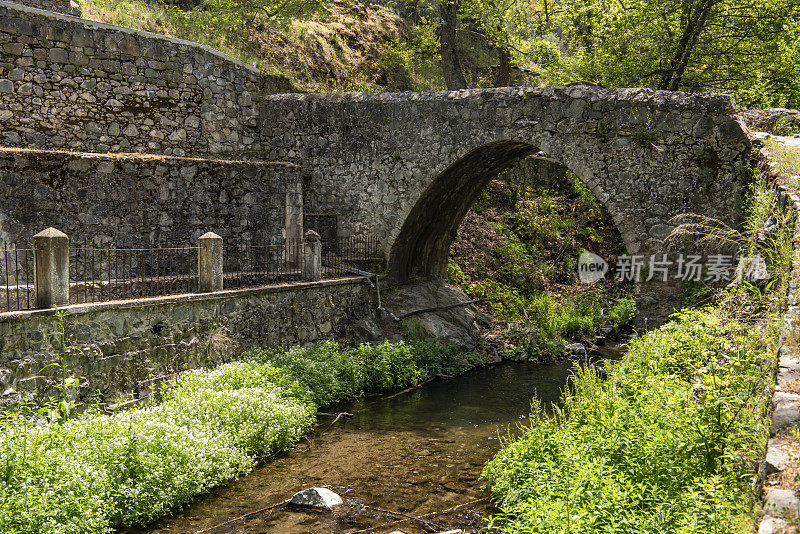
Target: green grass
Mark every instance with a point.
(99, 472)
(667, 444)
(670, 441)
(787, 158)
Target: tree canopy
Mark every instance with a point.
(750, 48)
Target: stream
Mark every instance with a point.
(415, 453)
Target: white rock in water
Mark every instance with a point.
(576, 348)
(316, 497)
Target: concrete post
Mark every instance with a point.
(51, 268)
(312, 257)
(209, 262)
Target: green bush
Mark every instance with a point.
(330, 374)
(666, 444)
(99, 472)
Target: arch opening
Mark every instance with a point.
(422, 247)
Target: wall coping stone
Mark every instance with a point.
(91, 24)
(143, 156)
(670, 100)
(93, 307)
(783, 409)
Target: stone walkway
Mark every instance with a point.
(779, 471)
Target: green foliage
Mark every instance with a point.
(665, 444)
(748, 48)
(331, 374)
(99, 472)
(645, 135)
(534, 246)
(455, 274)
(411, 62)
(539, 322)
(624, 46)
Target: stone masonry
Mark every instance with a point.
(403, 166)
(131, 200)
(120, 345)
(75, 84)
(407, 166)
(67, 7)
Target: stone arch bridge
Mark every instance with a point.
(84, 106)
(407, 166)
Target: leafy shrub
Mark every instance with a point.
(326, 373)
(99, 472)
(666, 444)
(96, 472)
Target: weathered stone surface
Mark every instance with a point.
(316, 498)
(367, 330)
(786, 414)
(778, 121)
(408, 165)
(51, 261)
(459, 325)
(782, 501)
(67, 7)
(777, 459)
(127, 77)
(118, 346)
(576, 348)
(774, 525)
(136, 200)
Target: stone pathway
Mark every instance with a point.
(779, 470)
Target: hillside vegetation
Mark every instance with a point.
(750, 48)
(518, 248)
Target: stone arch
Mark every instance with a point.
(422, 247)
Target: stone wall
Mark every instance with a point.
(780, 496)
(134, 200)
(533, 173)
(66, 7)
(407, 166)
(120, 345)
(325, 224)
(778, 121)
(79, 85)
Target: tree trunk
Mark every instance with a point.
(673, 77)
(451, 65)
(502, 77)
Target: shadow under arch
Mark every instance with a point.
(422, 247)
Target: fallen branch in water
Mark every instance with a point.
(425, 522)
(240, 518)
(431, 514)
(339, 416)
(431, 379)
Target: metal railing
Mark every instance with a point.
(99, 274)
(17, 287)
(105, 273)
(343, 255)
(248, 265)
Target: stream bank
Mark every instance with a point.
(414, 453)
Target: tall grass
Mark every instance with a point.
(670, 441)
(786, 157)
(100, 472)
(666, 444)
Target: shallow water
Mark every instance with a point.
(414, 453)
